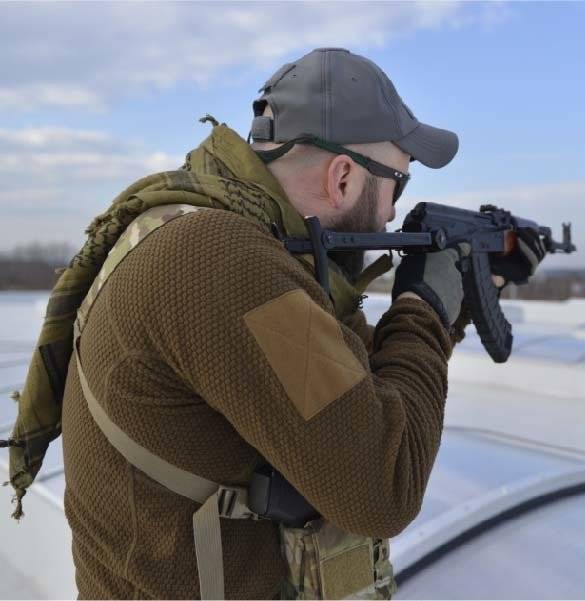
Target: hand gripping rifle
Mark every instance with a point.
(431, 227)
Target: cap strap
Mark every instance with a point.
(270, 155)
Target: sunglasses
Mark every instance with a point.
(375, 168)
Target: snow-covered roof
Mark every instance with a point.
(495, 522)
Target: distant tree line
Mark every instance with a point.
(546, 285)
(32, 266)
(549, 285)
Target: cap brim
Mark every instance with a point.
(431, 146)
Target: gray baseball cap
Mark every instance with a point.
(345, 98)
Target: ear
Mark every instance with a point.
(338, 180)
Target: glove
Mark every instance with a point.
(436, 278)
(518, 266)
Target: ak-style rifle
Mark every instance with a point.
(430, 227)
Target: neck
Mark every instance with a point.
(305, 197)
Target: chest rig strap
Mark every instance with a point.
(216, 500)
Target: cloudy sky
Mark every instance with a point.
(93, 96)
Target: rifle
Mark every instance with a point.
(430, 227)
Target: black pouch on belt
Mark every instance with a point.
(271, 496)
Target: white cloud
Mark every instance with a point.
(50, 153)
(56, 179)
(96, 53)
(43, 137)
(31, 197)
(65, 95)
(86, 166)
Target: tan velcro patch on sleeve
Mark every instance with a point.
(304, 346)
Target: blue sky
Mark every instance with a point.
(93, 96)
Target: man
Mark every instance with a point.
(214, 350)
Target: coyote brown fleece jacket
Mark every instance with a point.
(215, 349)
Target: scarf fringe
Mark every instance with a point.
(18, 513)
(120, 213)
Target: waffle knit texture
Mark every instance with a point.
(168, 354)
(223, 172)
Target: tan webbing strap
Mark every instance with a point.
(207, 534)
(379, 267)
(179, 481)
(231, 500)
(216, 500)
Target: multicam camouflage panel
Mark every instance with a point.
(135, 233)
(324, 562)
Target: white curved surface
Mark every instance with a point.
(536, 555)
(475, 477)
(419, 542)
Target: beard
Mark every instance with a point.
(362, 217)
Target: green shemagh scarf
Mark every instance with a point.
(222, 173)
